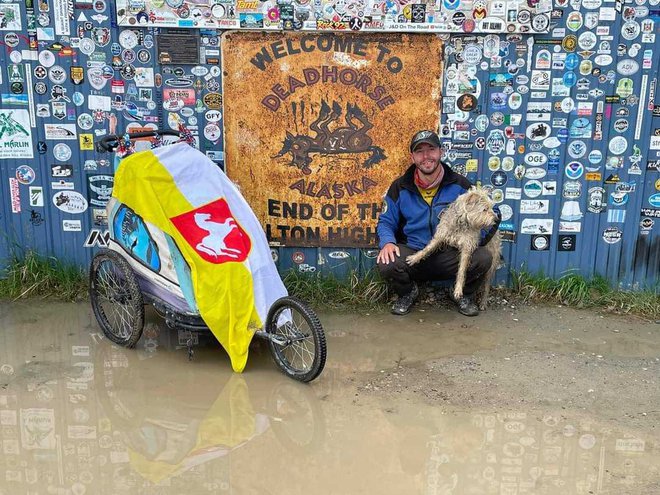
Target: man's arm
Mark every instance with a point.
(388, 221)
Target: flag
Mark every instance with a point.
(182, 192)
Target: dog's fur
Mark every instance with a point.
(460, 227)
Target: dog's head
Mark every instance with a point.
(477, 208)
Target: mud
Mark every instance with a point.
(531, 400)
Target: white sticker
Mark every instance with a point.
(537, 226)
(16, 138)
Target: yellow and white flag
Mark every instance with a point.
(182, 192)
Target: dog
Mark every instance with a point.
(460, 227)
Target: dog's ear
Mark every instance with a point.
(472, 199)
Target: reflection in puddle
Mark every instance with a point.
(80, 415)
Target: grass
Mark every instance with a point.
(326, 291)
(33, 275)
(575, 290)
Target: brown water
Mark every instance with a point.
(79, 415)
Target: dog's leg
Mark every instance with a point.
(495, 248)
(463, 264)
(485, 288)
(428, 249)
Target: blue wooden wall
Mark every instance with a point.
(579, 102)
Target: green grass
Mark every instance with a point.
(326, 291)
(575, 290)
(34, 275)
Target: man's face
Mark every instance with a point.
(426, 158)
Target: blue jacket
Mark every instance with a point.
(408, 219)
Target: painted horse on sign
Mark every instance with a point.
(349, 139)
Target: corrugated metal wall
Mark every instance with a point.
(591, 82)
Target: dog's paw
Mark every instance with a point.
(411, 260)
(483, 306)
(457, 294)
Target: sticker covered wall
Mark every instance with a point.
(552, 106)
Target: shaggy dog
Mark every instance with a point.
(460, 227)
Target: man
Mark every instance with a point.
(409, 219)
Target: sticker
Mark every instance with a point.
(99, 189)
(571, 189)
(618, 145)
(535, 173)
(16, 137)
(574, 170)
(540, 242)
(533, 188)
(25, 174)
(15, 194)
(570, 211)
(612, 235)
(36, 196)
(537, 226)
(71, 225)
(62, 152)
(70, 202)
(566, 242)
(534, 206)
(538, 131)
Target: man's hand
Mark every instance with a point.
(387, 254)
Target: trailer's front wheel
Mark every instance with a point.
(116, 298)
(298, 346)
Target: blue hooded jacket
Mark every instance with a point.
(408, 219)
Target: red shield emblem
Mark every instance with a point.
(214, 233)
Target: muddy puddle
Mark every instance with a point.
(400, 409)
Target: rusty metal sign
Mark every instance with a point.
(317, 126)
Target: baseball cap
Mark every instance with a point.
(425, 136)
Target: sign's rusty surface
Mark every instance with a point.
(317, 126)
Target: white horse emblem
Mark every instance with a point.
(214, 243)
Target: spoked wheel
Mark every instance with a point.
(116, 298)
(296, 339)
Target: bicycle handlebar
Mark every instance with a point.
(110, 143)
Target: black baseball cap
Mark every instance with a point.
(428, 137)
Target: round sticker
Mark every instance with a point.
(540, 242)
(62, 152)
(57, 74)
(533, 188)
(11, 40)
(86, 46)
(612, 235)
(16, 57)
(128, 39)
(595, 156)
(630, 30)
(577, 149)
(540, 22)
(618, 145)
(25, 174)
(587, 40)
(46, 58)
(85, 121)
(506, 211)
(472, 54)
(574, 170)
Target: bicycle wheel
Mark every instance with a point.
(116, 298)
(302, 349)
